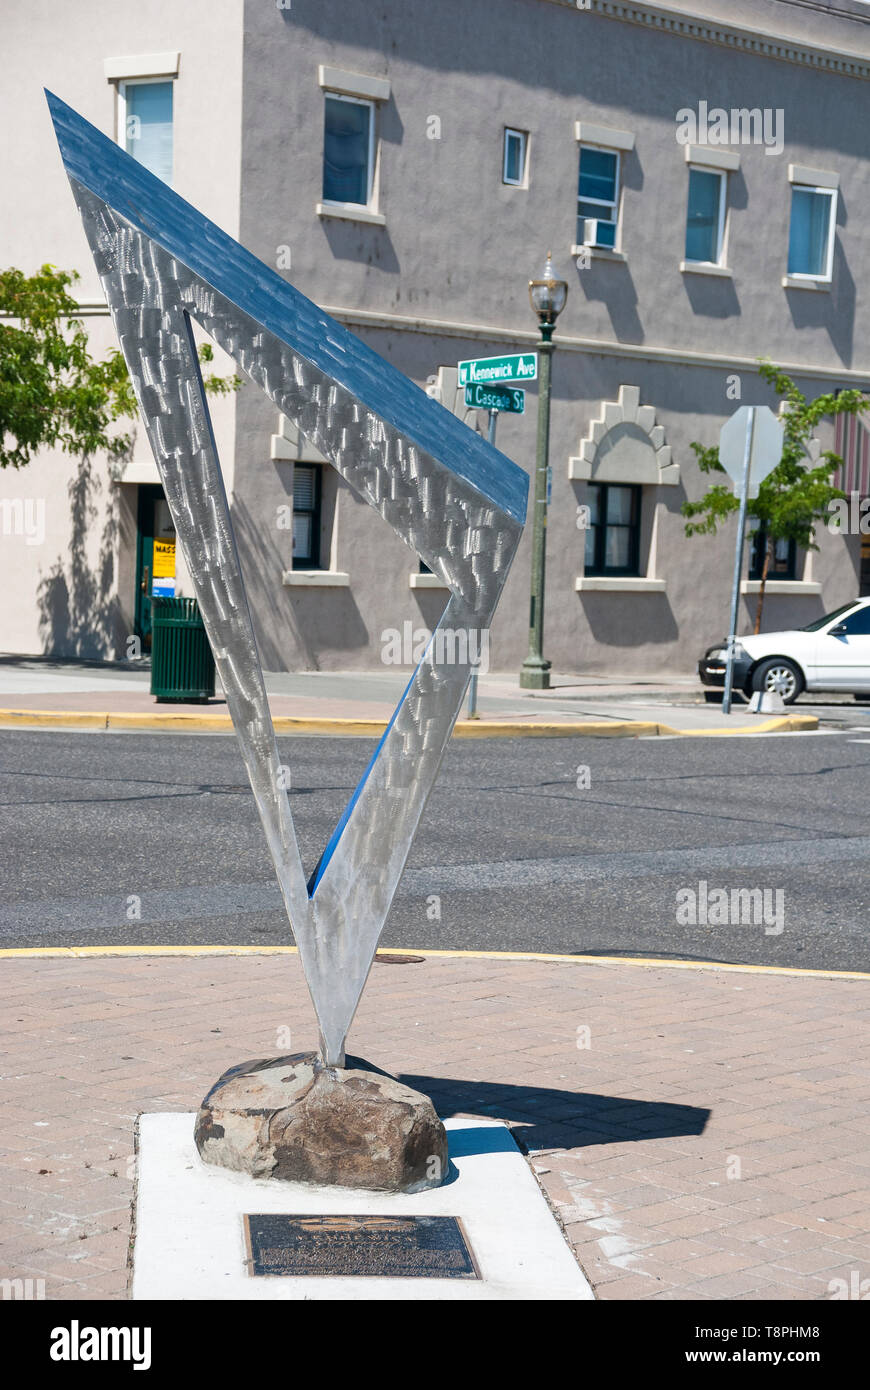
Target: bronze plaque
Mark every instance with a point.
(369, 1247)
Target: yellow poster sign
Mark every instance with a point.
(164, 559)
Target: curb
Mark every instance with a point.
(639, 962)
(159, 721)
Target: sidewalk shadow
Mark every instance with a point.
(543, 1118)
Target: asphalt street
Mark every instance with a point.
(561, 845)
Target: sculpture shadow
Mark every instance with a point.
(542, 1118)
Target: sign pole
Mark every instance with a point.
(472, 684)
(738, 562)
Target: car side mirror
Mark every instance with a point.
(839, 631)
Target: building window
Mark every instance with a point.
(306, 517)
(811, 234)
(145, 124)
(705, 216)
(514, 162)
(598, 197)
(348, 150)
(783, 561)
(613, 528)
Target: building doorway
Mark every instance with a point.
(155, 556)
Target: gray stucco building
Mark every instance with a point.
(699, 172)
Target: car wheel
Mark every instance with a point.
(779, 676)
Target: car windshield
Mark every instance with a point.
(829, 617)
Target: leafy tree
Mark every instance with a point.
(52, 391)
(797, 493)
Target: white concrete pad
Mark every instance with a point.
(190, 1241)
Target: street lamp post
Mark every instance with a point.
(548, 295)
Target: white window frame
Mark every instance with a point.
(523, 137)
(368, 205)
(723, 206)
(121, 129)
(600, 202)
(831, 194)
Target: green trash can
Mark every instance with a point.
(182, 666)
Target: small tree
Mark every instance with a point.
(797, 493)
(52, 391)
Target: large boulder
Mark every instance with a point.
(294, 1119)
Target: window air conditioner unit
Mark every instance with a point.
(599, 233)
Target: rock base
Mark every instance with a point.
(296, 1120)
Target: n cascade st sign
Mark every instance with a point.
(502, 398)
(499, 371)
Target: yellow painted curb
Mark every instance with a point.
(178, 721)
(303, 724)
(44, 718)
(784, 723)
(515, 728)
(184, 722)
(641, 962)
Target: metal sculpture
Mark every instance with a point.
(451, 496)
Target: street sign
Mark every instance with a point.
(498, 371)
(750, 447)
(767, 438)
(504, 398)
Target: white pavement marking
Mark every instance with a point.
(190, 1240)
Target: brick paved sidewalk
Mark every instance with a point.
(709, 1142)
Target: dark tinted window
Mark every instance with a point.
(859, 623)
(829, 617)
(346, 151)
(613, 530)
(783, 561)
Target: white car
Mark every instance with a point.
(833, 653)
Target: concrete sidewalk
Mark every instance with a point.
(701, 1132)
(362, 702)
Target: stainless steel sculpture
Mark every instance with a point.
(450, 495)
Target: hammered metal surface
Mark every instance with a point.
(457, 526)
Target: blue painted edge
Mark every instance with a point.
(150, 205)
(337, 833)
